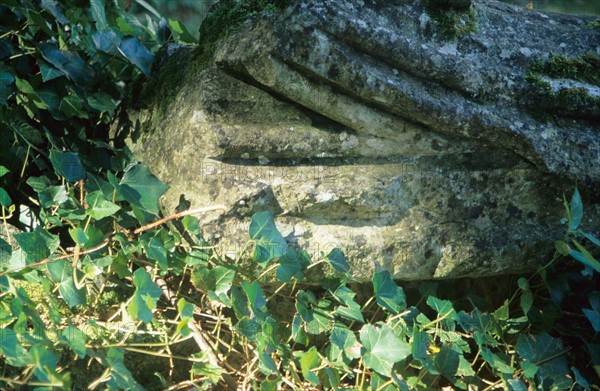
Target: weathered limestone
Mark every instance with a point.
(364, 127)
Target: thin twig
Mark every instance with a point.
(178, 216)
(66, 256)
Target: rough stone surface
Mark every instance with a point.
(364, 128)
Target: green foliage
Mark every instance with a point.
(102, 279)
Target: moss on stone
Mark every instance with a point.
(595, 24)
(585, 69)
(221, 21)
(227, 16)
(454, 18)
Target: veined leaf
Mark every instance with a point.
(205, 368)
(442, 307)
(383, 347)
(576, 211)
(5, 200)
(587, 235)
(75, 338)
(99, 207)
(16, 355)
(419, 344)
(337, 260)
(38, 244)
(67, 62)
(268, 242)
(106, 41)
(446, 361)
(308, 361)
(389, 295)
(346, 341)
(137, 54)
(546, 351)
(101, 102)
(182, 31)
(67, 165)
(145, 297)
(141, 188)
(155, 250)
(584, 257)
(120, 377)
(98, 14)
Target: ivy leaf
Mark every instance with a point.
(98, 14)
(182, 31)
(337, 260)
(446, 361)
(5, 253)
(100, 207)
(155, 250)
(74, 338)
(185, 309)
(6, 81)
(101, 102)
(255, 294)
(137, 54)
(442, 307)
(52, 7)
(576, 211)
(419, 344)
(542, 348)
(496, 362)
(145, 297)
(15, 354)
(266, 364)
(585, 257)
(315, 319)
(383, 348)
(351, 311)
(292, 264)
(389, 295)
(59, 270)
(71, 106)
(346, 341)
(141, 188)
(223, 278)
(67, 62)
(53, 195)
(593, 314)
(3, 170)
(71, 295)
(38, 244)
(5, 200)
(48, 72)
(308, 361)
(67, 165)
(205, 368)
(106, 41)
(121, 378)
(268, 242)
(44, 362)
